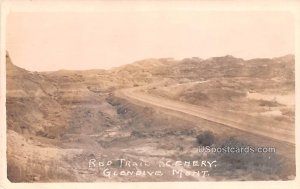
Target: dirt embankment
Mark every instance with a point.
(58, 121)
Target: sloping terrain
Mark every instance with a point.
(266, 127)
(58, 121)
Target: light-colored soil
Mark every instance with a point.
(151, 111)
(237, 121)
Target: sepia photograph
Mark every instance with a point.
(149, 94)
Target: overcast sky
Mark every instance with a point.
(53, 41)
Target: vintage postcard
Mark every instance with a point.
(165, 94)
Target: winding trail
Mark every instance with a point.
(258, 126)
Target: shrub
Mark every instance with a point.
(268, 103)
(256, 166)
(206, 138)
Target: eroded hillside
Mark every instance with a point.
(58, 121)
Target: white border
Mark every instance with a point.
(94, 6)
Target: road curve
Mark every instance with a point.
(246, 123)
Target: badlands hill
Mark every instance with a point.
(57, 120)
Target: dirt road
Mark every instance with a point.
(242, 122)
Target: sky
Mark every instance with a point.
(48, 41)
